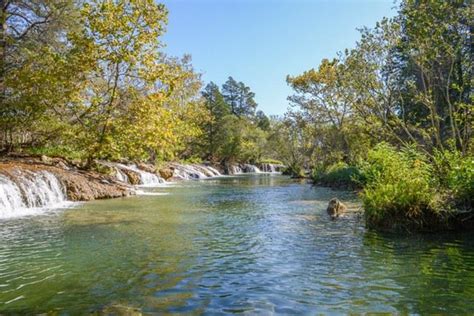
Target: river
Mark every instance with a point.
(248, 244)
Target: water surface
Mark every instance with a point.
(248, 244)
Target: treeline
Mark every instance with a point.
(394, 116)
(90, 80)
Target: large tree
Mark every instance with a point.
(239, 97)
(217, 108)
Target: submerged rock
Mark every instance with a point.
(336, 208)
(120, 310)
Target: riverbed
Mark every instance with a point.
(247, 244)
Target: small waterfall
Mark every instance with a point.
(30, 193)
(194, 172)
(236, 169)
(271, 168)
(251, 168)
(214, 170)
(121, 176)
(146, 178)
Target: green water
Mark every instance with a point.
(250, 244)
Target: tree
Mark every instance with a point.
(239, 97)
(263, 122)
(31, 42)
(217, 108)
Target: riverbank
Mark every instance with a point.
(29, 182)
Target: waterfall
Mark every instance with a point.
(31, 193)
(235, 169)
(146, 178)
(194, 172)
(120, 175)
(251, 168)
(271, 168)
(214, 170)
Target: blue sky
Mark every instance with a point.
(260, 42)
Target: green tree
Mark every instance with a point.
(32, 52)
(239, 97)
(217, 108)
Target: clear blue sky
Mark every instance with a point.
(260, 42)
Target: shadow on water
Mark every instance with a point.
(255, 244)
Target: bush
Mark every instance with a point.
(400, 190)
(457, 177)
(294, 170)
(270, 161)
(338, 175)
(56, 151)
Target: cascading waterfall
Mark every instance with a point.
(251, 168)
(31, 193)
(194, 172)
(214, 170)
(146, 178)
(271, 168)
(120, 175)
(236, 169)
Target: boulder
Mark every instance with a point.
(46, 160)
(133, 176)
(146, 167)
(336, 208)
(166, 173)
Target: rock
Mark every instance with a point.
(78, 185)
(103, 168)
(61, 164)
(336, 208)
(133, 176)
(90, 186)
(146, 167)
(46, 160)
(166, 173)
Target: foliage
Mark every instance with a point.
(239, 97)
(270, 161)
(399, 187)
(91, 76)
(457, 176)
(338, 175)
(406, 84)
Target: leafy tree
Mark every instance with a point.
(32, 52)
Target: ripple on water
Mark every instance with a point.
(258, 244)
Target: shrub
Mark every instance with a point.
(457, 176)
(338, 175)
(400, 190)
(294, 170)
(271, 161)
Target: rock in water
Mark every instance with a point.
(166, 173)
(336, 208)
(133, 176)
